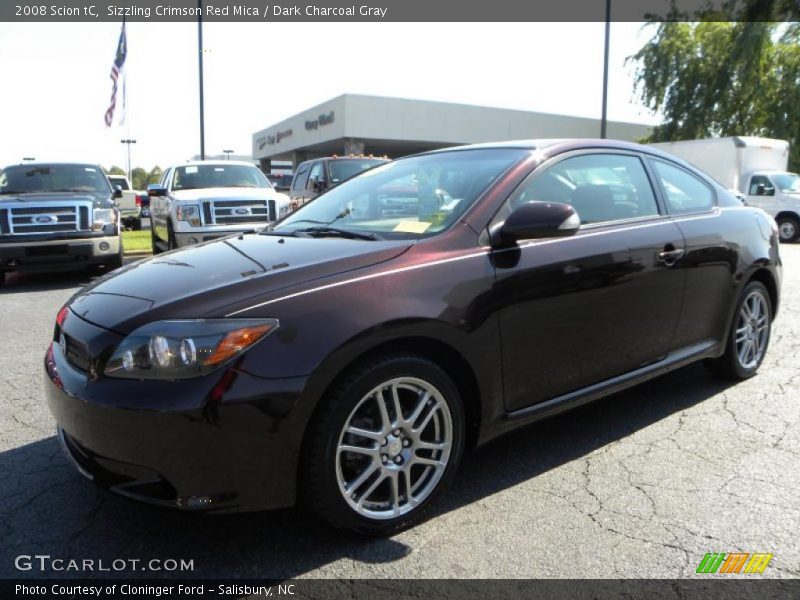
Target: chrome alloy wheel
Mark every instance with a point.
(752, 329)
(394, 448)
(787, 230)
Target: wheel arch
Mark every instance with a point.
(765, 277)
(788, 213)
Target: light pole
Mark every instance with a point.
(128, 142)
(200, 68)
(604, 117)
(228, 154)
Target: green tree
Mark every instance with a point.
(155, 175)
(723, 79)
(139, 176)
(114, 170)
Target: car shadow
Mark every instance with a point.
(17, 282)
(47, 508)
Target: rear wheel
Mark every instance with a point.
(136, 224)
(749, 336)
(171, 242)
(788, 228)
(384, 445)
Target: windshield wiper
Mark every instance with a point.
(324, 230)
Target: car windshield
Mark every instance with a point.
(788, 182)
(344, 168)
(193, 177)
(28, 179)
(411, 197)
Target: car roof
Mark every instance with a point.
(54, 164)
(216, 163)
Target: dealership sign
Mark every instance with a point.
(324, 119)
(263, 140)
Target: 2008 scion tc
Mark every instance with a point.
(347, 355)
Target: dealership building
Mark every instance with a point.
(357, 124)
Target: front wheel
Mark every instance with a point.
(749, 336)
(788, 229)
(385, 443)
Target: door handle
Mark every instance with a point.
(670, 256)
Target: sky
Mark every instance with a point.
(57, 86)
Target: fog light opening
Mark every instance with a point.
(104, 246)
(192, 241)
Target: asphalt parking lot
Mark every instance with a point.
(641, 484)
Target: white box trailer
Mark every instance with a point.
(755, 167)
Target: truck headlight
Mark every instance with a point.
(102, 217)
(190, 214)
(284, 210)
(186, 348)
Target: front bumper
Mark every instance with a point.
(69, 252)
(226, 442)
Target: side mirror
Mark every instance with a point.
(534, 220)
(155, 189)
(761, 189)
(117, 193)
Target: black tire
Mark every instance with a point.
(154, 241)
(2, 278)
(116, 262)
(788, 228)
(730, 365)
(320, 467)
(136, 224)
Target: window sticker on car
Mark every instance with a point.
(412, 226)
(190, 169)
(89, 169)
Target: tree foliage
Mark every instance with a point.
(723, 79)
(114, 170)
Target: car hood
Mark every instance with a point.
(97, 200)
(227, 193)
(201, 280)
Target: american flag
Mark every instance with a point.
(116, 71)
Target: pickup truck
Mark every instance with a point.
(200, 201)
(56, 216)
(754, 167)
(133, 205)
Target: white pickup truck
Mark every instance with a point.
(200, 201)
(133, 205)
(756, 168)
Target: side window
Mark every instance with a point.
(165, 178)
(757, 180)
(601, 187)
(316, 172)
(301, 179)
(684, 193)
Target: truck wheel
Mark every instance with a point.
(788, 228)
(136, 224)
(2, 278)
(154, 241)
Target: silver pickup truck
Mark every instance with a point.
(200, 201)
(57, 216)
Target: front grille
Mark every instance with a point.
(22, 219)
(4, 227)
(207, 213)
(227, 212)
(77, 354)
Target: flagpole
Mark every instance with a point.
(200, 66)
(604, 117)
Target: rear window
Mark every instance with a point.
(684, 193)
(344, 168)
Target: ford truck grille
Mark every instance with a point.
(232, 212)
(23, 219)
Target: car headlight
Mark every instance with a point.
(190, 213)
(284, 210)
(102, 217)
(184, 349)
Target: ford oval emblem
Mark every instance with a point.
(242, 211)
(44, 219)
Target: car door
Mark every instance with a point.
(761, 193)
(711, 260)
(579, 310)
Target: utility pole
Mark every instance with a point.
(604, 117)
(128, 143)
(200, 65)
(228, 154)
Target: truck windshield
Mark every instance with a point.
(405, 199)
(788, 182)
(120, 181)
(30, 179)
(193, 177)
(345, 168)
